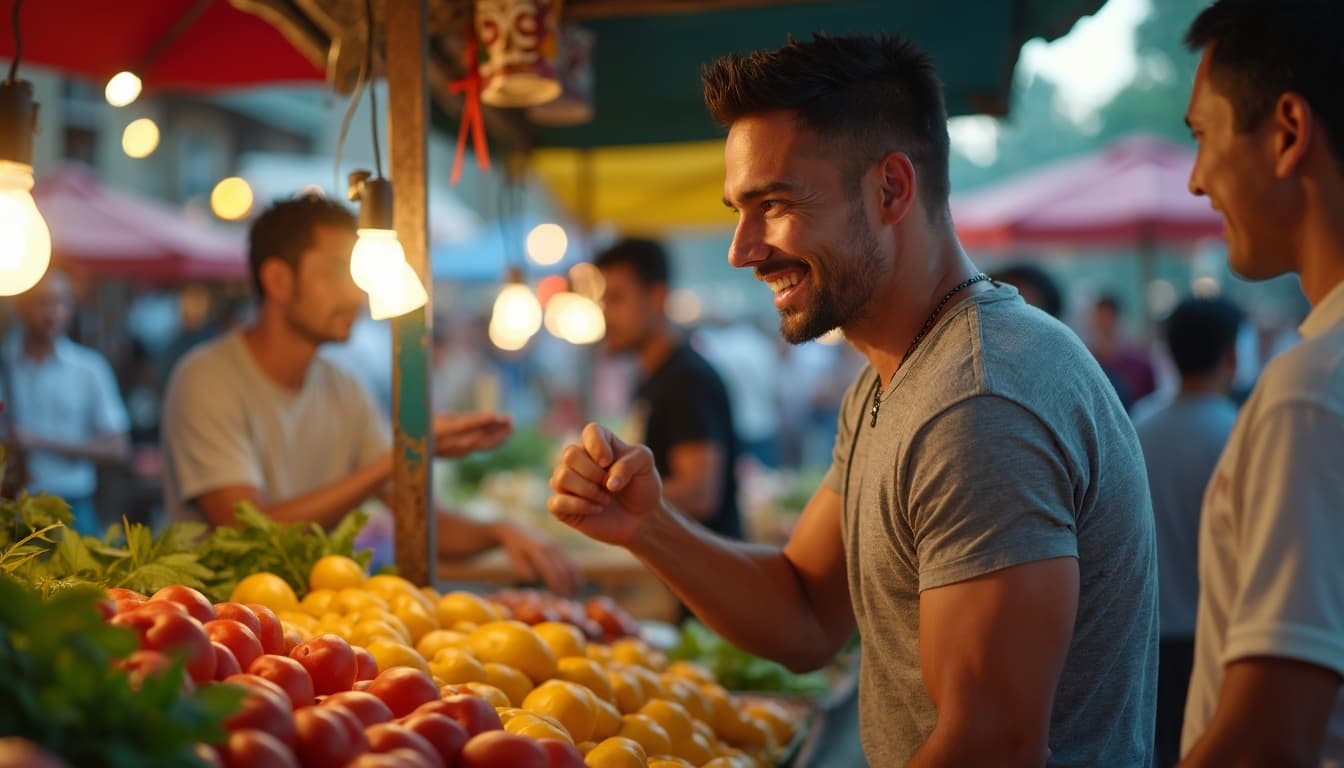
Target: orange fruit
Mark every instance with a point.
(515, 644)
(317, 602)
(455, 666)
(419, 621)
(608, 720)
(490, 693)
(670, 761)
(616, 752)
(390, 654)
(673, 717)
(570, 703)
(587, 673)
(462, 606)
(687, 694)
(536, 726)
(350, 600)
(690, 670)
(774, 715)
(598, 652)
(626, 692)
(513, 683)
(431, 643)
(648, 681)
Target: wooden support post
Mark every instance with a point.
(413, 451)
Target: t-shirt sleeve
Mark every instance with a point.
(205, 432)
(851, 407)
(700, 412)
(109, 416)
(1290, 539)
(989, 488)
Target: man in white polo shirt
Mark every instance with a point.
(1268, 113)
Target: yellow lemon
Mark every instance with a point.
(616, 752)
(298, 619)
(366, 631)
(388, 654)
(418, 620)
(563, 639)
(536, 726)
(690, 670)
(626, 692)
(598, 652)
(350, 600)
(266, 589)
(513, 683)
(774, 715)
(701, 727)
(735, 759)
(335, 572)
(454, 666)
(515, 644)
(570, 703)
(608, 720)
(631, 650)
(687, 694)
(431, 594)
(462, 606)
(749, 733)
(585, 672)
(317, 602)
(431, 643)
(695, 750)
(490, 693)
(669, 761)
(644, 729)
(672, 716)
(648, 681)
(723, 714)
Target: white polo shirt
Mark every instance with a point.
(1271, 545)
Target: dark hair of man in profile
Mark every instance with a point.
(285, 230)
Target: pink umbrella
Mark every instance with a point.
(1132, 193)
(112, 233)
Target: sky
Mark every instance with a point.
(1089, 64)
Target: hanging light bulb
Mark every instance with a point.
(517, 314)
(378, 261)
(575, 318)
(122, 89)
(25, 241)
(546, 244)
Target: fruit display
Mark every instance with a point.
(599, 616)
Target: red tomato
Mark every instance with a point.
(367, 665)
(256, 749)
(368, 708)
(495, 748)
(471, 712)
(445, 734)
(385, 737)
(323, 739)
(237, 638)
(403, 689)
(288, 674)
(272, 635)
(257, 680)
(330, 661)
(118, 593)
(241, 614)
(196, 604)
(264, 708)
(354, 727)
(173, 633)
(142, 664)
(397, 758)
(226, 664)
(561, 754)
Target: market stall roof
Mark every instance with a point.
(113, 233)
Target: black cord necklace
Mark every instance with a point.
(958, 288)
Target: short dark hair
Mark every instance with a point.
(646, 257)
(1262, 49)
(285, 230)
(1199, 332)
(872, 95)
(1038, 281)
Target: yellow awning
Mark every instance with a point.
(648, 190)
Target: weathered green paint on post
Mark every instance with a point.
(412, 457)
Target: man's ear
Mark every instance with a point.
(1293, 133)
(897, 185)
(277, 279)
(658, 296)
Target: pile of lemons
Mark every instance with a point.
(623, 704)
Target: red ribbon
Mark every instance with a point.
(473, 120)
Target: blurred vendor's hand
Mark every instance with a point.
(458, 434)
(536, 557)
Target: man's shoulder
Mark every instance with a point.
(75, 354)
(209, 363)
(1311, 371)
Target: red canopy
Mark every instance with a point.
(1135, 192)
(112, 233)
(221, 47)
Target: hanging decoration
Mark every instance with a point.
(574, 105)
(519, 51)
(473, 121)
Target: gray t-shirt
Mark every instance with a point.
(226, 423)
(1181, 444)
(1000, 442)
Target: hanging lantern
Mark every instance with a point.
(519, 49)
(574, 105)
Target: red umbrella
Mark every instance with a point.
(112, 233)
(170, 44)
(1132, 193)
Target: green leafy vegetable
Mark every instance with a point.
(737, 670)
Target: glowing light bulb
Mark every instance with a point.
(397, 290)
(375, 254)
(231, 198)
(25, 241)
(140, 138)
(546, 244)
(516, 317)
(574, 318)
(122, 89)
